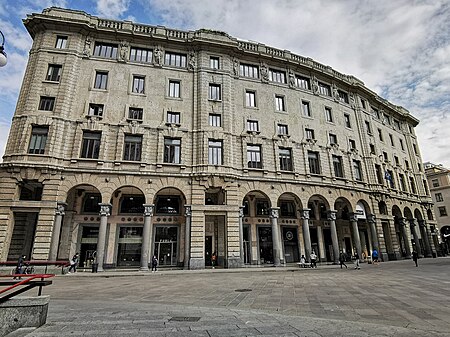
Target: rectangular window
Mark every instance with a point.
(347, 121)
(282, 129)
(175, 60)
(419, 167)
(138, 84)
(135, 113)
(442, 211)
(415, 149)
(285, 159)
(337, 165)
(379, 174)
(53, 72)
(385, 156)
(396, 160)
(396, 124)
(324, 89)
(303, 82)
(101, 80)
(368, 129)
(306, 109)
(141, 55)
(252, 126)
(61, 42)
(343, 96)
(387, 119)
(47, 103)
(389, 175)
(412, 183)
(401, 144)
(401, 177)
(363, 103)
(391, 138)
(277, 76)
(174, 89)
(279, 103)
(376, 113)
(214, 62)
(172, 150)
(248, 70)
(333, 139)
(250, 99)
(215, 120)
(214, 92)
(357, 170)
(215, 152)
(254, 156)
(309, 134)
(406, 164)
(439, 197)
(106, 50)
(314, 164)
(380, 135)
(91, 145)
(96, 110)
(435, 182)
(372, 148)
(328, 115)
(132, 148)
(425, 186)
(352, 144)
(38, 139)
(173, 117)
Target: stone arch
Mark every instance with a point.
(418, 214)
(382, 207)
(83, 198)
(396, 212)
(289, 204)
(169, 200)
(127, 199)
(256, 203)
(362, 206)
(69, 183)
(318, 206)
(343, 208)
(407, 213)
(249, 186)
(156, 185)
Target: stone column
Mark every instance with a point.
(373, 230)
(275, 237)
(105, 212)
(426, 241)
(322, 256)
(406, 239)
(60, 208)
(331, 217)
(304, 215)
(187, 236)
(413, 226)
(146, 237)
(356, 237)
(241, 234)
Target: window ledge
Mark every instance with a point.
(130, 120)
(50, 82)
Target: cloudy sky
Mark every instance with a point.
(400, 49)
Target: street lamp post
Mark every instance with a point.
(3, 59)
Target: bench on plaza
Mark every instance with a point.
(304, 264)
(61, 263)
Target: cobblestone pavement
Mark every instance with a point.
(389, 299)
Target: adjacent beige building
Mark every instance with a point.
(439, 182)
(131, 140)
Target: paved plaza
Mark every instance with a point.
(389, 299)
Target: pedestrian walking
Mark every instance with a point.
(415, 257)
(74, 263)
(342, 258)
(375, 256)
(356, 256)
(19, 267)
(313, 257)
(154, 264)
(213, 260)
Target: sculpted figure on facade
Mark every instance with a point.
(192, 61)
(291, 78)
(264, 73)
(158, 54)
(315, 85)
(87, 47)
(123, 54)
(351, 97)
(236, 67)
(335, 92)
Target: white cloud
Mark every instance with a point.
(112, 8)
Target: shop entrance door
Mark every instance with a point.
(88, 246)
(166, 245)
(129, 246)
(22, 238)
(208, 250)
(265, 245)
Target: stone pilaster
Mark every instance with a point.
(187, 235)
(331, 217)
(105, 212)
(415, 235)
(277, 259)
(304, 215)
(147, 237)
(60, 211)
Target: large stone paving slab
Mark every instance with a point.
(392, 299)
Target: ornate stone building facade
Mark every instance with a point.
(131, 140)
